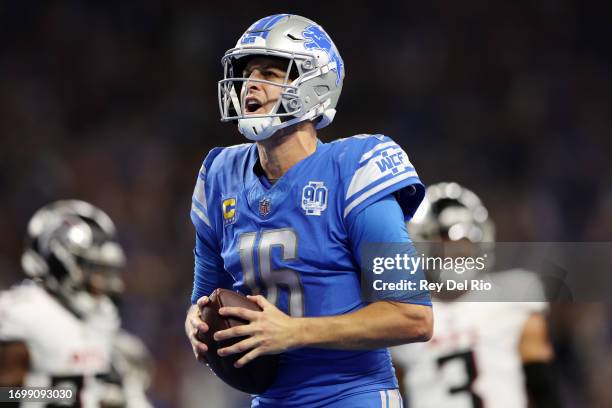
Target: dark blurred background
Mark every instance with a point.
(115, 102)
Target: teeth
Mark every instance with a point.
(253, 105)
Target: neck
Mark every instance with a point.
(286, 148)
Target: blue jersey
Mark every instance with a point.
(291, 243)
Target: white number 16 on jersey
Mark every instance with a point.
(273, 279)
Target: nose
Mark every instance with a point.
(255, 74)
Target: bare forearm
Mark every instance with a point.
(381, 324)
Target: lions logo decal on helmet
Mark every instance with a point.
(320, 40)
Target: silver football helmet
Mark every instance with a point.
(452, 222)
(312, 57)
(451, 212)
(71, 247)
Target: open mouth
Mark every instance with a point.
(253, 106)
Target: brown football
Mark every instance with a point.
(256, 376)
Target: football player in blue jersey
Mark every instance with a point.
(285, 220)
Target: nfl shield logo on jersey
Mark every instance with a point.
(264, 206)
(314, 198)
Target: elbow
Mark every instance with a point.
(426, 325)
(420, 324)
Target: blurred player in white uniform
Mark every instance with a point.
(483, 353)
(60, 327)
(130, 375)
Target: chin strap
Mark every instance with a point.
(257, 129)
(326, 118)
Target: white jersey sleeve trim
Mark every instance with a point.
(376, 189)
(199, 205)
(376, 170)
(366, 156)
(199, 193)
(200, 214)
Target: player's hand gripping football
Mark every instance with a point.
(195, 327)
(269, 332)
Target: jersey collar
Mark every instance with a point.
(263, 200)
